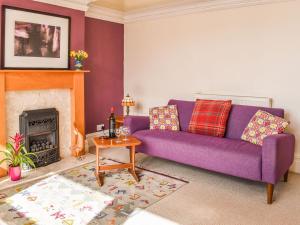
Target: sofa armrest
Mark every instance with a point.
(136, 123)
(277, 156)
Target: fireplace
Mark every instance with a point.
(41, 134)
(16, 82)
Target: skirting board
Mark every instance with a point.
(89, 137)
(296, 165)
(294, 168)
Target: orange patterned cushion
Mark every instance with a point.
(210, 117)
(261, 125)
(164, 118)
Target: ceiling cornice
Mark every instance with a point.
(194, 7)
(107, 14)
(159, 11)
(82, 5)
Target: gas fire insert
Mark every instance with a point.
(41, 135)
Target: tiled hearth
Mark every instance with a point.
(42, 172)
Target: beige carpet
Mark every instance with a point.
(212, 198)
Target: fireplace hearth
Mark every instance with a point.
(41, 134)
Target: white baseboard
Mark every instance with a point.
(296, 165)
(89, 137)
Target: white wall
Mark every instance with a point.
(252, 51)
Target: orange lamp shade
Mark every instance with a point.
(127, 102)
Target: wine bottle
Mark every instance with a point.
(112, 123)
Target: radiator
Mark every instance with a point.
(237, 99)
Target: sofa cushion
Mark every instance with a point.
(233, 157)
(240, 115)
(261, 125)
(210, 117)
(164, 118)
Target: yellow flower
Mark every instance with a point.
(72, 53)
(79, 55)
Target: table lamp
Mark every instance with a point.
(128, 101)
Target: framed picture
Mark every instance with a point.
(34, 40)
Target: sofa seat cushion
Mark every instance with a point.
(229, 156)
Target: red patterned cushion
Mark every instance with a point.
(262, 125)
(210, 117)
(164, 118)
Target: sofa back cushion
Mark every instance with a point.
(164, 118)
(210, 117)
(185, 110)
(262, 125)
(239, 116)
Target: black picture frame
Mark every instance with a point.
(3, 40)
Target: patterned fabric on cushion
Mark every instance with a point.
(164, 118)
(210, 117)
(261, 125)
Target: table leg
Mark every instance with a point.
(132, 161)
(98, 174)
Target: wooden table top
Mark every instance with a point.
(112, 142)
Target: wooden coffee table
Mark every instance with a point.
(110, 143)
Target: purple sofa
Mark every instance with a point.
(229, 155)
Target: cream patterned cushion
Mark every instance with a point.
(164, 118)
(261, 125)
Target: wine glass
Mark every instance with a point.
(102, 133)
(126, 132)
(118, 134)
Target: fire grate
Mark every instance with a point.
(41, 135)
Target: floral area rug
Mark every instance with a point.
(74, 197)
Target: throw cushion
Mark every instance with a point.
(164, 118)
(209, 117)
(261, 125)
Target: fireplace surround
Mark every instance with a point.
(28, 80)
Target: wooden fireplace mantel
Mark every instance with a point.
(25, 80)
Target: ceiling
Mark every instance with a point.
(129, 5)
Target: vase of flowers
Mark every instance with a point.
(16, 155)
(79, 57)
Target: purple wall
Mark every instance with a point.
(104, 85)
(104, 41)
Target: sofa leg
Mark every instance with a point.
(286, 176)
(270, 190)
